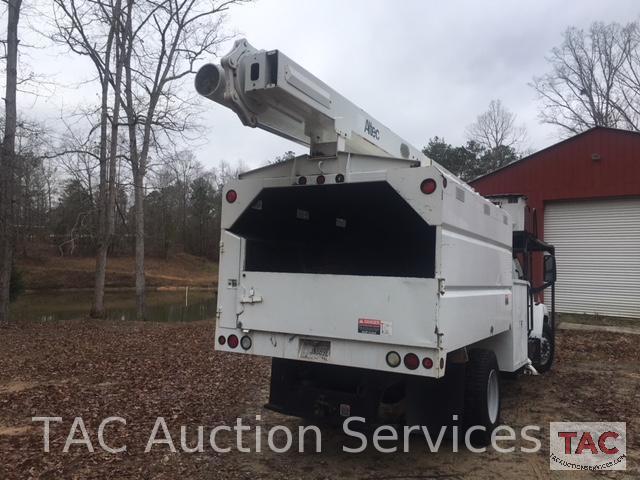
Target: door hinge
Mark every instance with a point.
(441, 286)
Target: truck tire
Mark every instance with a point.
(482, 395)
(547, 350)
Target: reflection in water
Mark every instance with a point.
(178, 306)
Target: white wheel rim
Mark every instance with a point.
(493, 396)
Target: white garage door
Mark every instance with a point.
(598, 255)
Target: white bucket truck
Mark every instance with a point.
(372, 277)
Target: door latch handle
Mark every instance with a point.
(251, 298)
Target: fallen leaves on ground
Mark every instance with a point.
(140, 371)
(137, 371)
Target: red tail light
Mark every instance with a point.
(428, 186)
(232, 341)
(411, 361)
(231, 196)
(427, 363)
(320, 180)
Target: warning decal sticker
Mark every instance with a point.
(367, 325)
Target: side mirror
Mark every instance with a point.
(549, 269)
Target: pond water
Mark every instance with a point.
(174, 306)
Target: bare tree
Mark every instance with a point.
(92, 28)
(628, 100)
(109, 200)
(225, 172)
(497, 128)
(185, 168)
(7, 159)
(32, 182)
(78, 157)
(583, 88)
(165, 39)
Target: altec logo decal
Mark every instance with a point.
(371, 130)
(588, 446)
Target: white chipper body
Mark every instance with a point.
(369, 274)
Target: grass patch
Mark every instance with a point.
(598, 320)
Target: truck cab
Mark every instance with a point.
(529, 249)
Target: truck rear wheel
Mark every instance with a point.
(547, 350)
(482, 395)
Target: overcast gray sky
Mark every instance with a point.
(423, 68)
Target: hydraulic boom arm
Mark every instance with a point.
(268, 90)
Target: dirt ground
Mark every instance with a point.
(54, 272)
(139, 371)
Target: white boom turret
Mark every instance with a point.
(268, 90)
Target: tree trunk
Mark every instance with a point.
(7, 238)
(184, 213)
(97, 309)
(7, 159)
(138, 167)
(104, 201)
(139, 214)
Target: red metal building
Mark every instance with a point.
(586, 194)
